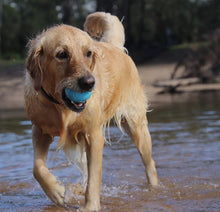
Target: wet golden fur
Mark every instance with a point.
(106, 28)
(118, 94)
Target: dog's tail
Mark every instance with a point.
(105, 27)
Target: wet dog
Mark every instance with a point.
(65, 62)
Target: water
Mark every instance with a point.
(186, 148)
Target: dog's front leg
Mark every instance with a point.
(48, 182)
(95, 151)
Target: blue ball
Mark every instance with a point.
(77, 96)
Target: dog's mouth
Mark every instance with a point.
(73, 105)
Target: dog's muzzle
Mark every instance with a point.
(75, 100)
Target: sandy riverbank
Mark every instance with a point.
(11, 85)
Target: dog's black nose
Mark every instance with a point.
(86, 83)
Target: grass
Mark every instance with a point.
(195, 45)
(11, 67)
(11, 62)
(18, 60)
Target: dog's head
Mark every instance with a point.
(61, 58)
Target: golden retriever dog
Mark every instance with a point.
(74, 86)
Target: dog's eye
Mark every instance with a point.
(62, 55)
(89, 53)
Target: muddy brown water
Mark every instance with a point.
(186, 148)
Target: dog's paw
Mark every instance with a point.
(89, 208)
(56, 193)
(84, 209)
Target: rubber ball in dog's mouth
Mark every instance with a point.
(76, 100)
(77, 96)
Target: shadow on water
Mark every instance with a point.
(186, 148)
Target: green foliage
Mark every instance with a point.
(149, 23)
(194, 45)
(10, 31)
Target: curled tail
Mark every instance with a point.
(105, 27)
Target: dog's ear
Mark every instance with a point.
(96, 53)
(33, 63)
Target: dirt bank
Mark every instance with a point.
(12, 79)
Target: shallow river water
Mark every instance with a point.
(186, 148)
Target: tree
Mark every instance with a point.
(150, 25)
(10, 31)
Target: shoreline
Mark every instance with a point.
(12, 86)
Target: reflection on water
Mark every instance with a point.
(186, 148)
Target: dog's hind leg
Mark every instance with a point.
(48, 182)
(137, 129)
